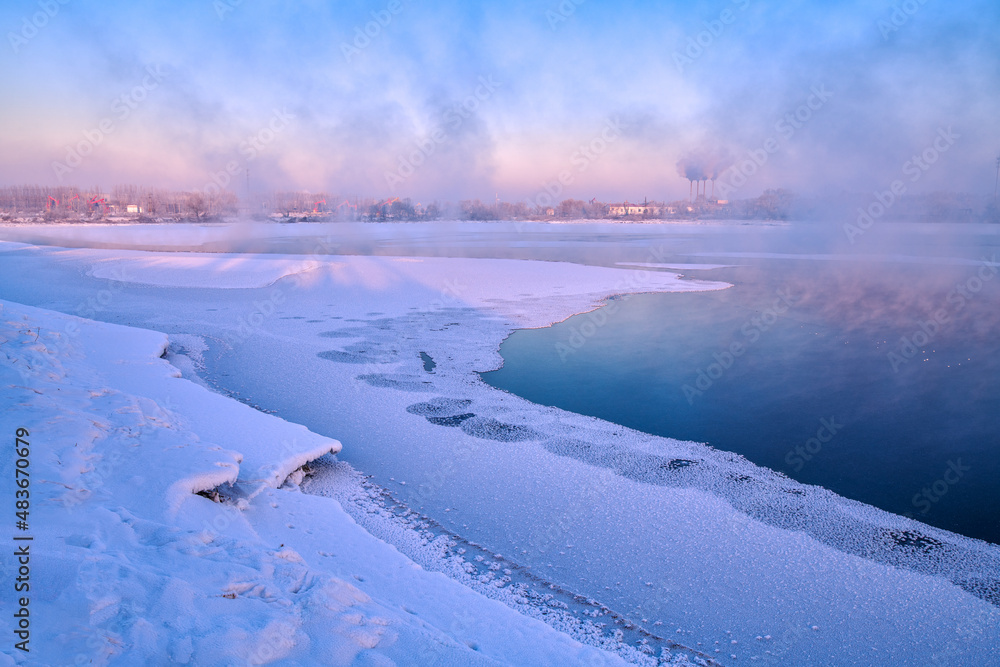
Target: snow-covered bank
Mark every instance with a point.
(670, 533)
(197, 270)
(382, 354)
(230, 236)
(129, 566)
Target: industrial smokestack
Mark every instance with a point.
(701, 166)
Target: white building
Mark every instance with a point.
(626, 208)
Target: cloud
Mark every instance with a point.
(354, 120)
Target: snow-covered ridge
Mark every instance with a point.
(130, 360)
(675, 265)
(450, 276)
(199, 270)
(129, 566)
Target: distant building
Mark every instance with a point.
(133, 208)
(625, 208)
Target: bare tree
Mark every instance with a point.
(473, 209)
(196, 205)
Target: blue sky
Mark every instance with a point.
(609, 95)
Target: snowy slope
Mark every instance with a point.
(196, 270)
(728, 557)
(713, 548)
(129, 567)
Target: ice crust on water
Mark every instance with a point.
(439, 407)
(757, 492)
(810, 527)
(493, 575)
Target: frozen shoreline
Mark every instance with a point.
(120, 448)
(755, 539)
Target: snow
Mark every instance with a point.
(471, 282)
(199, 270)
(118, 235)
(676, 265)
(684, 541)
(130, 567)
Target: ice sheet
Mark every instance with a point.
(129, 566)
(199, 269)
(682, 538)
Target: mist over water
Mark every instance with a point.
(875, 377)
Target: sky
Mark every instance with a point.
(460, 100)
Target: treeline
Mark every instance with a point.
(142, 202)
(136, 202)
(70, 202)
(147, 203)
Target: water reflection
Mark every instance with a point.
(876, 380)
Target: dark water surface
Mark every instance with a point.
(802, 367)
